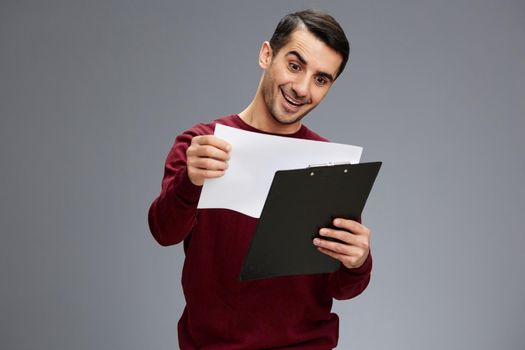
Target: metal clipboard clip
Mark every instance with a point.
(329, 164)
(311, 166)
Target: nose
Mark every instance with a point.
(300, 87)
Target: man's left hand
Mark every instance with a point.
(355, 242)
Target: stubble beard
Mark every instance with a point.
(271, 105)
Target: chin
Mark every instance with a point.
(287, 120)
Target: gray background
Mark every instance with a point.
(93, 93)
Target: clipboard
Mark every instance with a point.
(299, 203)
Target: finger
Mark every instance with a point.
(345, 259)
(207, 174)
(348, 261)
(349, 238)
(208, 151)
(335, 247)
(352, 226)
(213, 141)
(344, 236)
(330, 253)
(208, 164)
(343, 251)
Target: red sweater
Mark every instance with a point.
(221, 311)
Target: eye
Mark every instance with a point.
(294, 67)
(321, 81)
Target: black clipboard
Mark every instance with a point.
(299, 203)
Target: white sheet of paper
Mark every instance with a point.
(255, 158)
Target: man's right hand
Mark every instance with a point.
(207, 158)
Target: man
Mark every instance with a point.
(300, 63)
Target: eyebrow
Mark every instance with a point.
(303, 61)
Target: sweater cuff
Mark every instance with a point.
(364, 269)
(189, 192)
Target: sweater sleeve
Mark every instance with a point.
(348, 283)
(173, 214)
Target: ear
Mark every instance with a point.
(265, 55)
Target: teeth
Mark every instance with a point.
(291, 101)
(295, 104)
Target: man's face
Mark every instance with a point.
(298, 77)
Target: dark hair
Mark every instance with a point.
(320, 24)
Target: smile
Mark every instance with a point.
(290, 100)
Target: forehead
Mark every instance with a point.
(317, 54)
